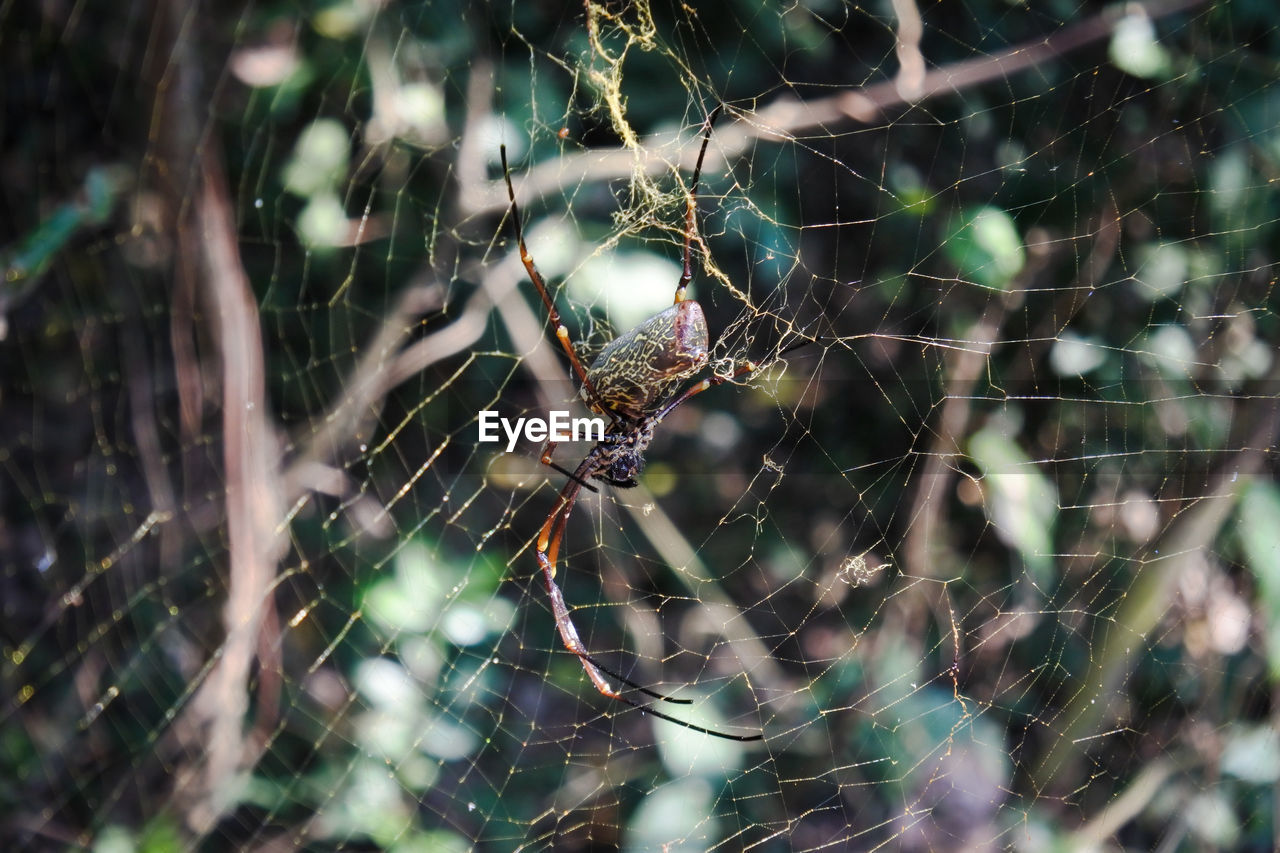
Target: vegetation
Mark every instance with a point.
(985, 548)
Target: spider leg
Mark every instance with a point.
(698, 387)
(548, 549)
(597, 673)
(545, 459)
(553, 316)
(691, 208)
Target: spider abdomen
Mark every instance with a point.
(640, 369)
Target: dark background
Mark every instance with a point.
(990, 561)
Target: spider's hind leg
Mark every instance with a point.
(548, 548)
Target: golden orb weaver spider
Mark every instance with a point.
(631, 382)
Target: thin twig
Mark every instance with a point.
(254, 510)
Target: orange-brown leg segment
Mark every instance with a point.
(553, 316)
(691, 209)
(548, 449)
(700, 386)
(548, 550)
(597, 673)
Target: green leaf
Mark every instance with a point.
(30, 259)
(674, 817)
(160, 836)
(987, 249)
(1259, 521)
(1020, 501)
(1162, 271)
(319, 161)
(1251, 753)
(1135, 50)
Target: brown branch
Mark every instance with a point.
(385, 361)
(911, 62)
(253, 503)
(789, 117)
(350, 419)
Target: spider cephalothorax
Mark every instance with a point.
(622, 453)
(634, 383)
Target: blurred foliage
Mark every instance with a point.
(1058, 285)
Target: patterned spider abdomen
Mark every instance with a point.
(639, 370)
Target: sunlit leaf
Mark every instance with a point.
(1075, 355)
(1135, 50)
(114, 839)
(319, 160)
(987, 248)
(1251, 753)
(630, 285)
(1020, 502)
(1211, 817)
(1259, 522)
(432, 841)
(1172, 351)
(688, 753)
(1162, 270)
(674, 817)
(323, 222)
(385, 684)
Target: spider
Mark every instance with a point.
(633, 382)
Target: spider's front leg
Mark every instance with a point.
(691, 208)
(698, 387)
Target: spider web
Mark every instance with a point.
(984, 549)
